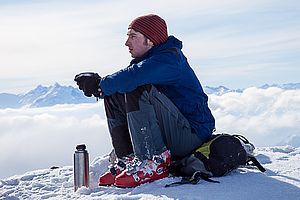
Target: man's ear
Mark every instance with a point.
(150, 43)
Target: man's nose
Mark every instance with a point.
(127, 43)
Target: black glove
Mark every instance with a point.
(88, 82)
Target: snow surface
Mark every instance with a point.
(281, 181)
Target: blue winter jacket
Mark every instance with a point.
(167, 68)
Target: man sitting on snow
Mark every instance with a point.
(156, 108)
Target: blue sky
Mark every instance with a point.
(236, 43)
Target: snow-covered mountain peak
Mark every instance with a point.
(45, 96)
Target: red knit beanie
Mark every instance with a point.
(152, 26)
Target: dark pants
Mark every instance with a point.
(145, 122)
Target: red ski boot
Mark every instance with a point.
(139, 172)
(108, 178)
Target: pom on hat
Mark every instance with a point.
(152, 26)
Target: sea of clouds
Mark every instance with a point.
(36, 138)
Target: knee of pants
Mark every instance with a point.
(114, 103)
(132, 98)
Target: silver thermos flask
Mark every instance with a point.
(81, 167)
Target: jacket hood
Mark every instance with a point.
(172, 42)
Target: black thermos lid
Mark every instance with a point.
(81, 147)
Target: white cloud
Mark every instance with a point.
(265, 116)
(45, 137)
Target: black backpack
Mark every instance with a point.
(219, 156)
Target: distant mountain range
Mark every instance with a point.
(43, 96)
(222, 89)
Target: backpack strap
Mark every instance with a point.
(256, 163)
(251, 157)
(242, 138)
(197, 176)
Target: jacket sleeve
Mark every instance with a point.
(164, 68)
